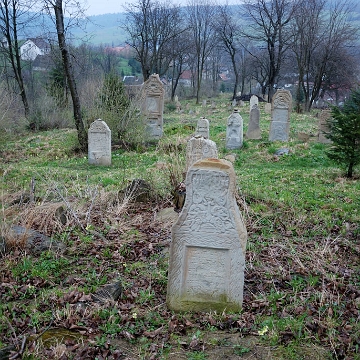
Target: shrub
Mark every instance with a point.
(344, 132)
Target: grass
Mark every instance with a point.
(301, 297)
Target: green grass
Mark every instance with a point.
(301, 213)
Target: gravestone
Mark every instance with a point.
(234, 131)
(253, 131)
(153, 105)
(204, 103)
(199, 148)
(254, 101)
(280, 116)
(234, 102)
(323, 126)
(99, 143)
(207, 254)
(267, 108)
(202, 128)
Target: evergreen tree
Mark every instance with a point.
(344, 132)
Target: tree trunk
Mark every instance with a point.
(69, 72)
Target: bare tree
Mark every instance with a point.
(57, 6)
(268, 25)
(228, 32)
(200, 19)
(321, 32)
(152, 26)
(15, 15)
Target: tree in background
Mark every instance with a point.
(344, 132)
(152, 27)
(321, 32)
(201, 15)
(57, 7)
(15, 16)
(269, 25)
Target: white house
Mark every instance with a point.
(31, 48)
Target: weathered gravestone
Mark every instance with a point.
(234, 131)
(207, 254)
(199, 148)
(267, 108)
(280, 116)
(323, 126)
(202, 128)
(254, 101)
(153, 105)
(253, 131)
(99, 143)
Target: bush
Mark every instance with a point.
(344, 132)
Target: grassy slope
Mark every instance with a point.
(301, 296)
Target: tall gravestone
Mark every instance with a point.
(202, 128)
(99, 143)
(267, 108)
(254, 100)
(207, 254)
(234, 131)
(323, 126)
(153, 105)
(199, 148)
(280, 116)
(253, 131)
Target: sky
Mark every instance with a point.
(98, 7)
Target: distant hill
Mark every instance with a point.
(103, 29)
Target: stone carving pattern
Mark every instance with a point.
(282, 99)
(200, 221)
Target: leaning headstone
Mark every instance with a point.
(323, 126)
(254, 101)
(280, 116)
(234, 102)
(99, 143)
(234, 131)
(253, 131)
(153, 106)
(267, 108)
(202, 128)
(199, 148)
(207, 254)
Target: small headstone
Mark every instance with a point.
(241, 103)
(253, 131)
(254, 101)
(233, 104)
(99, 143)
(202, 128)
(323, 126)
(234, 131)
(153, 106)
(199, 148)
(267, 108)
(280, 116)
(207, 254)
(204, 103)
(176, 98)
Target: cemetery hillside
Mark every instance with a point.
(85, 247)
(180, 182)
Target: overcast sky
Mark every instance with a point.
(97, 7)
